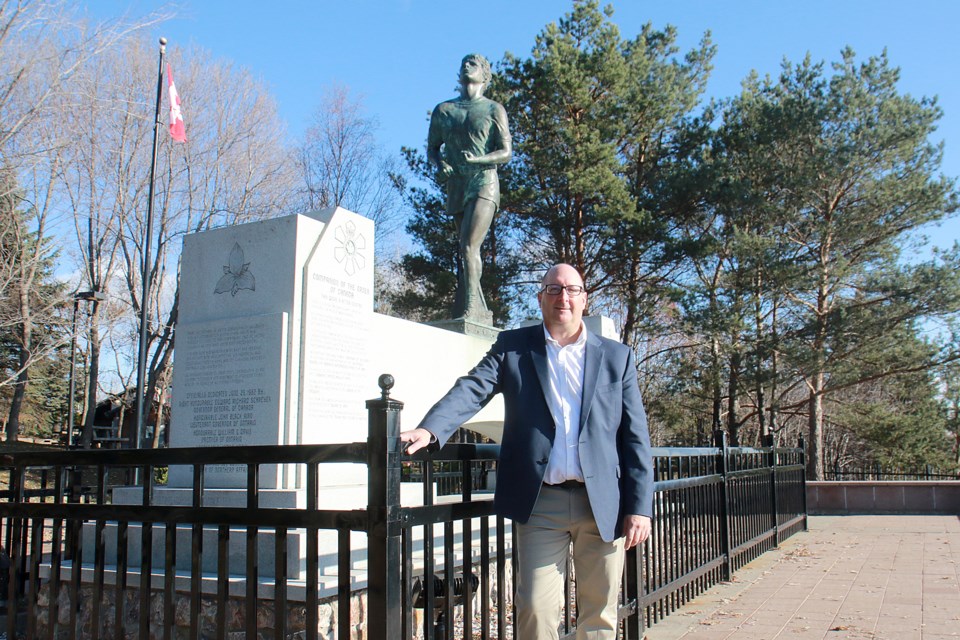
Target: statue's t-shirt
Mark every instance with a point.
(478, 126)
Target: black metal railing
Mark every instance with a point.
(449, 478)
(83, 566)
(715, 509)
(880, 472)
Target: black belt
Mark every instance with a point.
(567, 484)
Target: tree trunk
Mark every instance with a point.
(579, 237)
(733, 427)
(956, 452)
(954, 424)
(774, 364)
(715, 383)
(816, 381)
(160, 371)
(158, 379)
(93, 375)
(762, 428)
(85, 391)
(632, 317)
(19, 391)
(815, 424)
(23, 362)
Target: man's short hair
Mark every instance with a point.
(484, 65)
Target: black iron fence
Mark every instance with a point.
(172, 564)
(880, 472)
(715, 509)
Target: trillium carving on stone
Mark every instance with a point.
(349, 248)
(236, 273)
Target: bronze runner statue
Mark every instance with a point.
(468, 138)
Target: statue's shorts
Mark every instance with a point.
(468, 184)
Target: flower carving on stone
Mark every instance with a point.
(349, 250)
(236, 273)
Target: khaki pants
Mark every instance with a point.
(562, 516)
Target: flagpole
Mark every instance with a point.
(145, 271)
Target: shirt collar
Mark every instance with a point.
(579, 342)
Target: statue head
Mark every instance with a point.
(482, 66)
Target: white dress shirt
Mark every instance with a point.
(565, 397)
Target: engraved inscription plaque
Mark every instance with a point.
(227, 390)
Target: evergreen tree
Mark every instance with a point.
(948, 379)
(892, 422)
(429, 274)
(29, 325)
(846, 171)
(594, 119)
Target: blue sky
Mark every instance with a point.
(402, 56)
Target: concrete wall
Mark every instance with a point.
(883, 497)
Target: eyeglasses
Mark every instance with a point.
(555, 289)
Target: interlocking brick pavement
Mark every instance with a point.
(847, 578)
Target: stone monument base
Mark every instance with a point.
(236, 549)
(332, 498)
(468, 327)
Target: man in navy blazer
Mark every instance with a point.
(575, 464)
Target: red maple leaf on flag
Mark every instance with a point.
(177, 130)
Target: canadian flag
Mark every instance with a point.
(177, 130)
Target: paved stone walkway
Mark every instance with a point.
(847, 578)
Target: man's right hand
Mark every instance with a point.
(417, 439)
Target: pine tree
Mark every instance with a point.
(844, 168)
(29, 325)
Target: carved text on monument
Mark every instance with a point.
(225, 396)
(335, 352)
(220, 362)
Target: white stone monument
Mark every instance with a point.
(272, 347)
(273, 341)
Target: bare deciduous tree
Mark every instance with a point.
(103, 177)
(28, 304)
(232, 169)
(341, 165)
(44, 45)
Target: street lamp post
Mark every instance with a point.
(89, 296)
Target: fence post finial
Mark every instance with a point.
(386, 382)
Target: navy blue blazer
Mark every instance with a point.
(614, 442)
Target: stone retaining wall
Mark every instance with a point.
(296, 614)
(883, 497)
(236, 615)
